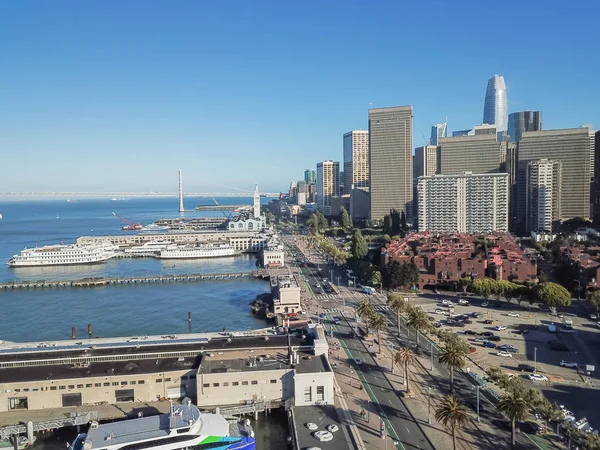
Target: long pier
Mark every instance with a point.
(150, 279)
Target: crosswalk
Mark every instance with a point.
(339, 310)
(326, 296)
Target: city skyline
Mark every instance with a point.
(120, 104)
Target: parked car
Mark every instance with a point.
(476, 315)
(524, 331)
(431, 319)
(504, 354)
(487, 333)
(437, 324)
(593, 316)
(336, 320)
(467, 321)
(570, 364)
(537, 377)
(471, 332)
(441, 311)
(472, 349)
(494, 338)
(481, 339)
(463, 302)
(485, 304)
(525, 368)
(488, 321)
(358, 361)
(513, 314)
(500, 327)
(489, 344)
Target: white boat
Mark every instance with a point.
(194, 252)
(184, 428)
(148, 248)
(155, 227)
(59, 255)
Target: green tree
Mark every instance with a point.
(345, 219)
(397, 303)
(513, 404)
(404, 358)
(375, 278)
(395, 215)
(465, 284)
(594, 298)
(552, 294)
(378, 323)
(417, 319)
(359, 246)
(403, 224)
(451, 413)
(453, 354)
(387, 224)
(365, 310)
(483, 287)
(317, 223)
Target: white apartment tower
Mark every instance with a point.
(328, 184)
(465, 203)
(543, 194)
(356, 159)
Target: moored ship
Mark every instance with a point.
(197, 251)
(185, 427)
(149, 248)
(61, 255)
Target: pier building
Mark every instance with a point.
(218, 369)
(286, 294)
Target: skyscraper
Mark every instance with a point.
(328, 184)
(495, 108)
(390, 160)
(356, 160)
(425, 161)
(476, 153)
(520, 122)
(310, 176)
(543, 194)
(438, 131)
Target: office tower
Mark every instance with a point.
(425, 161)
(356, 159)
(476, 154)
(390, 160)
(301, 192)
(495, 108)
(310, 176)
(510, 167)
(572, 147)
(543, 178)
(595, 187)
(341, 183)
(519, 122)
(467, 203)
(438, 131)
(461, 133)
(328, 184)
(293, 192)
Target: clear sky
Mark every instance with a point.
(118, 95)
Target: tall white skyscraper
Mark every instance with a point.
(356, 160)
(328, 184)
(495, 108)
(543, 194)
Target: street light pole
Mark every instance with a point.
(478, 403)
(429, 405)
(535, 359)
(351, 376)
(578, 289)
(431, 354)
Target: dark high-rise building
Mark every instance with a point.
(310, 176)
(390, 161)
(519, 122)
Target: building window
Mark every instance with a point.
(106, 384)
(167, 380)
(132, 382)
(89, 385)
(52, 388)
(123, 383)
(62, 387)
(307, 394)
(71, 400)
(79, 386)
(18, 403)
(225, 384)
(72, 386)
(206, 385)
(159, 380)
(244, 383)
(97, 384)
(124, 395)
(320, 393)
(273, 381)
(235, 383)
(216, 384)
(115, 383)
(141, 382)
(254, 382)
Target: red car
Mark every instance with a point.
(472, 349)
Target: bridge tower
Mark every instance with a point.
(181, 209)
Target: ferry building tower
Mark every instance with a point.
(256, 203)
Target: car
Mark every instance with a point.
(525, 368)
(593, 316)
(437, 324)
(476, 315)
(569, 364)
(506, 347)
(358, 361)
(336, 320)
(513, 314)
(487, 333)
(323, 436)
(598, 324)
(468, 321)
(472, 349)
(488, 321)
(441, 311)
(480, 339)
(431, 319)
(504, 354)
(332, 428)
(312, 426)
(537, 377)
(485, 304)
(489, 344)
(500, 328)
(449, 304)
(463, 302)
(471, 332)
(318, 286)
(323, 316)
(446, 302)
(494, 338)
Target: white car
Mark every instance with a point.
(485, 304)
(463, 302)
(445, 302)
(513, 314)
(323, 436)
(570, 364)
(332, 428)
(593, 316)
(504, 354)
(537, 377)
(312, 426)
(358, 361)
(500, 328)
(441, 311)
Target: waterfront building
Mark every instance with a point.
(475, 153)
(273, 257)
(438, 131)
(543, 184)
(495, 108)
(519, 122)
(356, 159)
(471, 203)
(285, 290)
(573, 148)
(310, 176)
(328, 184)
(390, 161)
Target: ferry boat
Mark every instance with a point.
(148, 248)
(59, 255)
(184, 428)
(198, 251)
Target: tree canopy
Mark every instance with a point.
(399, 275)
(359, 246)
(317, 222)
(552, 294)
(345, 219)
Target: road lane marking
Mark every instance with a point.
(407, 429)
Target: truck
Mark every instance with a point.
(368, 290)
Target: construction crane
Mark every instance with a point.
(129, 226)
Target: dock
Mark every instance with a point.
(221, 207)
(150, 279)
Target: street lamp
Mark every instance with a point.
(578, 289)
(535, 359)
(478, 386)
(351, 376)
(429, 405)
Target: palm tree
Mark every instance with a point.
(365, 310)
(378, 323)
(451, 413)
(513, 404)
(398, 305)
(405, 357)
(417, 319)
(453, 354)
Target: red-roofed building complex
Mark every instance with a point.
(444, 258)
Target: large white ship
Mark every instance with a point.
(184, 428)
(148, 248)
(60, 255)
(197, 251)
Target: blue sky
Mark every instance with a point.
(118, 95)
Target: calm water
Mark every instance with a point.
(115, 310)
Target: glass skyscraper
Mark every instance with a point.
(495, 108)
(520, 122)
(438, 131)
